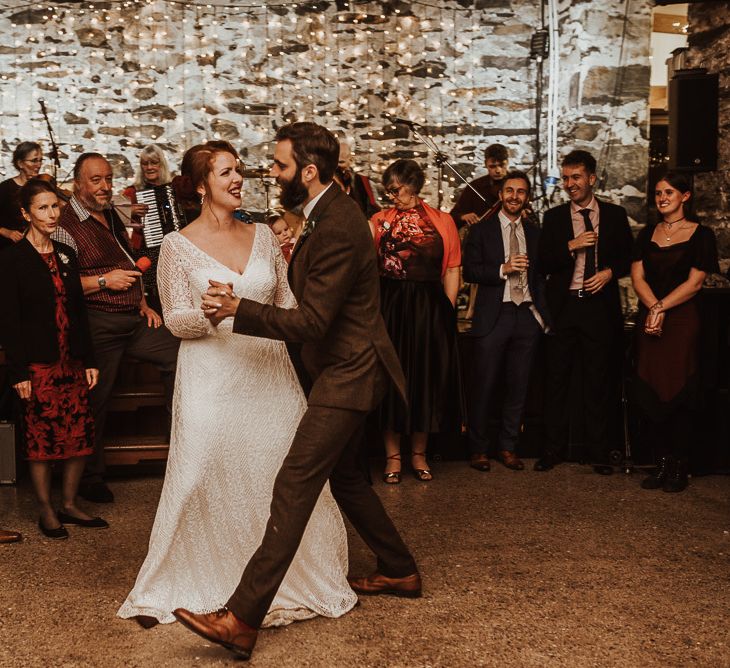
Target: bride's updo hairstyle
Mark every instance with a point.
(197, 163)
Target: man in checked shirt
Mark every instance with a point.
(121, 322)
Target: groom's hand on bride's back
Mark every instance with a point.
(219, 302)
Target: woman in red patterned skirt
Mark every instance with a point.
(46, 337)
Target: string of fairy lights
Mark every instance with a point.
(119, 75)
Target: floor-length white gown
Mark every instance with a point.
(236, 407)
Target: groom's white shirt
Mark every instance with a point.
(310, 206)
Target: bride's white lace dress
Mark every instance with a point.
(236, 407)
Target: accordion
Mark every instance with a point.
(164, 214)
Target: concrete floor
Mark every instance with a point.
(520, 569)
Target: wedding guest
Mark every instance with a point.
(27, 159)
(500, 255)
(52, 368)
(152, 171)
(470, 207)
(121, 321)
(283, 233)
(670, 262)
(585, 247)
(185, 191)
(295, 222)
(356, 185)
(419, 256)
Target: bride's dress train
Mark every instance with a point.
(236, 408)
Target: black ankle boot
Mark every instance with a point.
(657, 479)
(676, 480)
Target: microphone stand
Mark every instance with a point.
(441, 158)
(53, 153)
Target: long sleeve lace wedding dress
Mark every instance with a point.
(236, 407)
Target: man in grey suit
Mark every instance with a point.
(346, 351)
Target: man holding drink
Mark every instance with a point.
(509, 317)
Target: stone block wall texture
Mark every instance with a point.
(709, 42)
(119, 75)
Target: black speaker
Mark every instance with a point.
(693, 105)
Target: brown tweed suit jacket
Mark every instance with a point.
(334, 277)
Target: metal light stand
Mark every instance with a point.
(53, 153)
(441, 158)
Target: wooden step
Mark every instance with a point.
(127, 398)
(131, 450)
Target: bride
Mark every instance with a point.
(236, 407)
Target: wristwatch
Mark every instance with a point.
(102, 282)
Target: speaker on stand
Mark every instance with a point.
(693, 120)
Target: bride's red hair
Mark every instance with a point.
(197, 164)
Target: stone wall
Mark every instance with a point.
(118, 75)
(709, 42)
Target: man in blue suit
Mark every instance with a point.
(509, 317)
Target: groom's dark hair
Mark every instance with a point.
(312, 144)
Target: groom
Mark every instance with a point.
(346, 350)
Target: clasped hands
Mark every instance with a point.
(655, 320)
(219, 302)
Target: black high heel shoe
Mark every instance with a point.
(424, 475)
(392, 477)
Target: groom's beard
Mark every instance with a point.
(294, 192)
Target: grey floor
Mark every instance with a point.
(522, 569)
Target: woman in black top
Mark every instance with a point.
(27, 159)
(45, 333)
(671, 260)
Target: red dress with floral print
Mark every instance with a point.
(58, 422)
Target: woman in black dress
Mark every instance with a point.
(671, 260)
(27, 159)
(45, 333)
(419, 255)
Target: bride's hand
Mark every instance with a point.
(219, 302)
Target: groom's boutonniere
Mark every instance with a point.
(308, 228)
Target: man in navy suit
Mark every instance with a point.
(585, 247)
(509, 317)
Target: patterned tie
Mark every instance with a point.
(590, 253)
(516, 292)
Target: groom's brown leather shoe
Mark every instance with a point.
(9, 536)
(375, 584)
(221, 627)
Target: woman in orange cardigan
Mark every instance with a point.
(419, 255)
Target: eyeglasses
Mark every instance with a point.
(34, 161)
(393, 192)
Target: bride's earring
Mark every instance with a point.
(202, 199)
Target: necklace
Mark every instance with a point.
(668, 226)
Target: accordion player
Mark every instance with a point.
(164, 215)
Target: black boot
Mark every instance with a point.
(676, 480)
(657, 479)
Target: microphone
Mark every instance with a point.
(401, 121)
(143, 264)
(43, 106)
